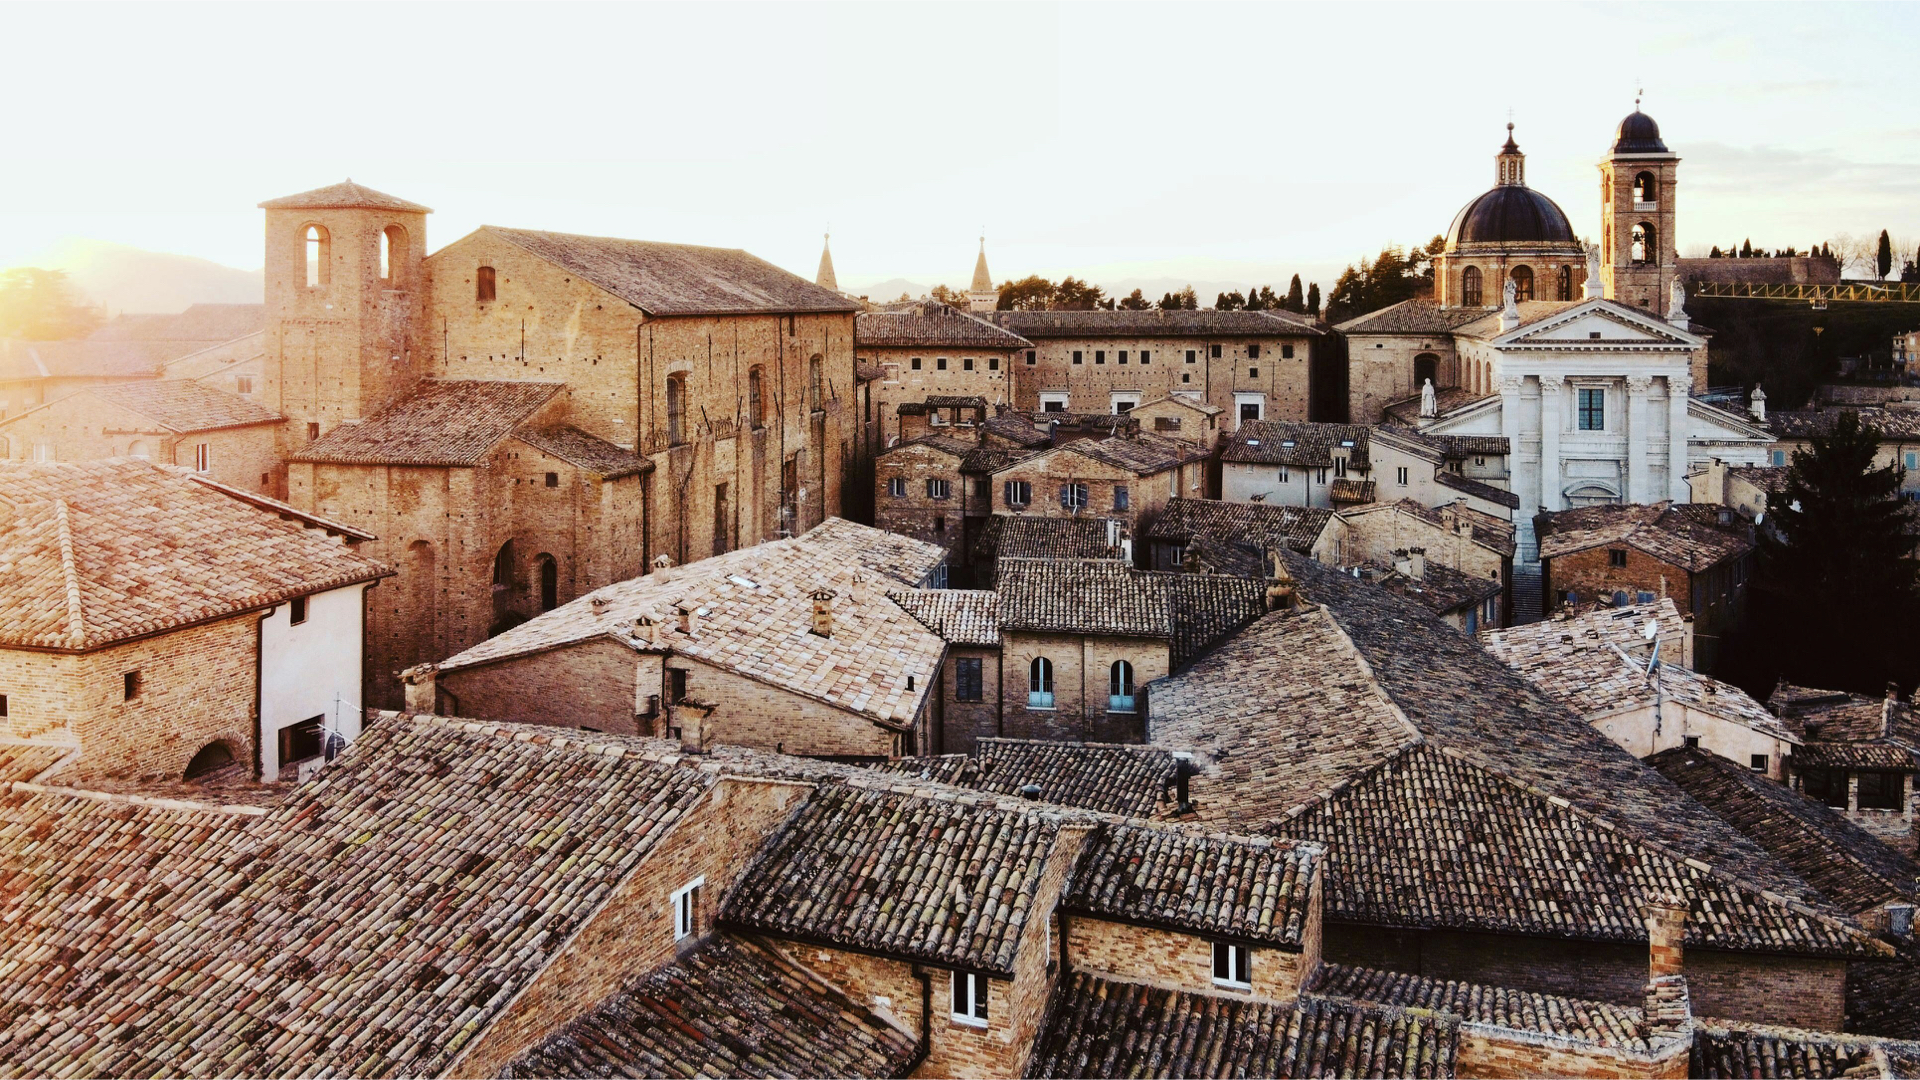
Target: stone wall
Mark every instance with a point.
(590, 684)
(1592, 574)
(1081, 680)
(1146, 495)
(1282, 380)
(1606, 971)
(1380, 371)
(1806, 992)
(739, 711)
(963, 723)
(82, 427)
(1165, 958)
(961, 372)
(916, 513)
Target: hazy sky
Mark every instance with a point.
(1214, 143)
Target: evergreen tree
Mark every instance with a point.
(1295, 301)
(1313, 299)
(1883, 256)
(1169, 302)
(1135, 301)
(1072, 294)
(1835, 563)
(1031, 293)
(1715, 253)
(1232, 301)
(1746, 249)
(1189, 300)
(1253, 298)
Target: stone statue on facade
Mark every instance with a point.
(1677, 304)
(1429, 401)
(1591, 290)
(1510, 312)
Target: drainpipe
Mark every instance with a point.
(926, 1024)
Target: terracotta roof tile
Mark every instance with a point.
(1411, 317)
(1447, 400)
(1440, 588)
(1729, 1050)
(1805, 423)
(1036, 325)
(29, 759)
(589, 452)
(1098, 596)
(678, 279)
(105, 550)
(1112, 778)
(345, 195)
(1597, 1023)
(733, 1007)
(1258, 524)
(448, 422)
(184, 405)
(1100, 1027)
(959, 616)
(933, 325)
(1018, 536)
(1477, 488)
(1688, 536)
(1280, 442)
(1240, 887)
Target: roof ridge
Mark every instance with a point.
(151, 801)
(70, 571)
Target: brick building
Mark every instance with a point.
(1700, 555)
(1898, 425)
(133, 348)
(792, 646)
(524, 416)
(1858, 755)
(162, 625)
(1455, 535)
(183, 422)
(1254, 365)
(1229, 537)
(927, 349)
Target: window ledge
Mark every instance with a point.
(966, 1022)
(1226, 984)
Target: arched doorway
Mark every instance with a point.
(215, 757)
(549, 581)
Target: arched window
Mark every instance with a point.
(138, 449)
(549, 582)
(1566, 283)
(1470, 287)
(212, 758)
(319, 251)
(393, 253)
(1040, 683)
(1646, 191)
(676, 409)
(1120, 687)
(483, 284)
(1522, 283)
(504, 616)
(816, 384)
(756, 401)
(1426, 366)
(1646, 248)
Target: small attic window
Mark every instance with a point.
(745, 583)
(1348, 443)
(1253, 442)
(1286, 442)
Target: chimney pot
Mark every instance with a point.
(421, 682)
(599, 605)
(689, 618)
(1666, 922)
(1417, 562)
(823, 612)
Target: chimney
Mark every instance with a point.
(1113, 533)
(1182, 793)
(422, 690)
(1900, 920)
(1402, 562)
(823, 612)
(689, 617)
(662, 561)
(599, 605)
(1666, 920)
(646, 627)
(1417, 560)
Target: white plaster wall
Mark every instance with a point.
(1633, 732)
(304, 668)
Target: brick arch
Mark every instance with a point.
(214, 756)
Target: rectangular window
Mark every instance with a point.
(129, 686)
(297, 610)
(966, 364)
(1253, 373)
(1286, 352)
(202, 457)
(1120, 499)
(1253, 351)
(993, 363)
(940, 364)
(939, 489)
(1123, 356)
(3, 704)
(1401, 475)
(1779, 457)
(1339, 466)
(1882, 790)
(982, 487)
(1146, 356)
(1073, 496)
(1757, 762)
(1213, 351)
(686, 909)
(897, 487)
(1249, 410)
(243, 384)
(1616, 557)
(313, 431)
(1189, 356)
(970, 998)
(553, 479)
(1030, 357)
(1018, 492)
(1076, 356)
(1693, 741)
(916, 363)
(1322, 477)
(1285, 476)
(301, 741)
(1099, 356)
(1912, 460)
(968, 681)
(1232, 965)
(1593, 409)
(1826, 785)
(676, 685)
(1053, 402)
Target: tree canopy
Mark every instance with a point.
(42, 305)
(1394, 275)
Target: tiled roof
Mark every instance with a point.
(951, 445)
(184, 405)
(345, 195)
(1847, 864)
(1205, 608)
(1181, 520)
(1684, 535)
(1217, 884)
(991, 459)
(450, 422)
(589, 452)
(1578, 662)
(1100, 1027)
(199, 325)
(105, 550)
(1806, 423)
(1141, 453)
(1771, 479)
(1114, 778)
(1422, 317)
(1883, 997)
(1447, 400)
(1017, 429)
(1597, 1023)
(1728, 1050)
(677, 279)
(932, 325)
(27, 759)
(1494, 534)
(1477, 488)
(464, 851)
(756, 617)
(1849, 729)
(1349, 492)
(1440, 588)
(1105, 597)
(733, 1007)
(85, 359)
(1018, 536)
(1280, 442)
(959, 616)
(904, 875)
(1036, 325)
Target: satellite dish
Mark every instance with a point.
(1651, 631)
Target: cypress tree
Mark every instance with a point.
(1883, 256)
(1313, 299)
(1295, 300)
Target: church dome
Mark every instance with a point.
(1638, 134)
(1510, 214)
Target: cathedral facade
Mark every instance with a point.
(1580, 355)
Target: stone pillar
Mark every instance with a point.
(1666, 921)
(1677, 391)
(1637, 438)
(1552, 416)
(1509, 388)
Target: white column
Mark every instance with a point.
(1552, 415)
(1637, 439)
(1509, 387)
(1677, 391)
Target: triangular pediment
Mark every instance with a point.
(1599, 324)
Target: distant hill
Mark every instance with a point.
(129, 279)
(890, 290)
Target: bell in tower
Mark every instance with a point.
(1639, 257)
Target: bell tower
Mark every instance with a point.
(981, 295)
(1639, 251)
(345, 295)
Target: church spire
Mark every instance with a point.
(982, 296)
(824, 278)
(1510, 164)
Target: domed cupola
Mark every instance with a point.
(1638, 134)
(1511, 213)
